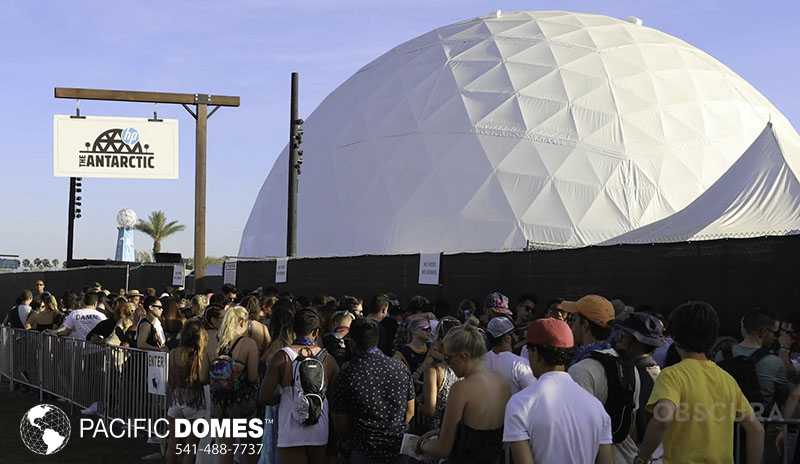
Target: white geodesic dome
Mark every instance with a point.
(551, 129)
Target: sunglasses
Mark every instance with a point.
(157, 306)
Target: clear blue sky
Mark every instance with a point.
(248, 48)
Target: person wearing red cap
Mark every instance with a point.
(555, 419)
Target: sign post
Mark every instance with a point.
(201, 114)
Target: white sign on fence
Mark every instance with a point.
(429, 269)
(156, 369)
(177, 275)
(105, 146)
(281, 270)
(229, 272)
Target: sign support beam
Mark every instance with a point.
(201, 115)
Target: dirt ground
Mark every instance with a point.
(13, 406)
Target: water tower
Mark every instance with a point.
(126, 220)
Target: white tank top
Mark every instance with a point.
(290, 431)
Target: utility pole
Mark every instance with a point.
(201, 115)
(295, 161)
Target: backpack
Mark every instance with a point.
(222, 374)
(620, 403)
(12, 318)
(646, 383)
(743, 370)
(309, 386)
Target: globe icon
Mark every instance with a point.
(45, 429)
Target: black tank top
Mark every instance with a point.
(414, 361)
(151, 337)
(474, 446)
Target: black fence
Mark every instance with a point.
(734, 275)
(112, 278)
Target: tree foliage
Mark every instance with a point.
(158, 228)
(143, 256)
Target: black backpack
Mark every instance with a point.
(743, 370)
(620, 403)
(310, 385)
(646, 384)
(12, 318)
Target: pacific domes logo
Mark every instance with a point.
(45, 429)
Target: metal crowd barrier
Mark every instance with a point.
(84, 373)
(789, 428)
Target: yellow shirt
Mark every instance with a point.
(709, 401)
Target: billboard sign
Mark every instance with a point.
(105, 146)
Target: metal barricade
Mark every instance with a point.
(84, 373)
(789, 429)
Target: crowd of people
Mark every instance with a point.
(344, 380)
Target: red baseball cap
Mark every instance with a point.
(550, 332)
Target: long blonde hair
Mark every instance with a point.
(50, 303)
(199, 304)
(234, 325)
(193, 340)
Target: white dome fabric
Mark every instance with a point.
(759, 195)
(553, 129)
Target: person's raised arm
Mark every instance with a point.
(663, 415)
(441, 446)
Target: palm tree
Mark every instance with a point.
(158, 228)
(143, 256)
